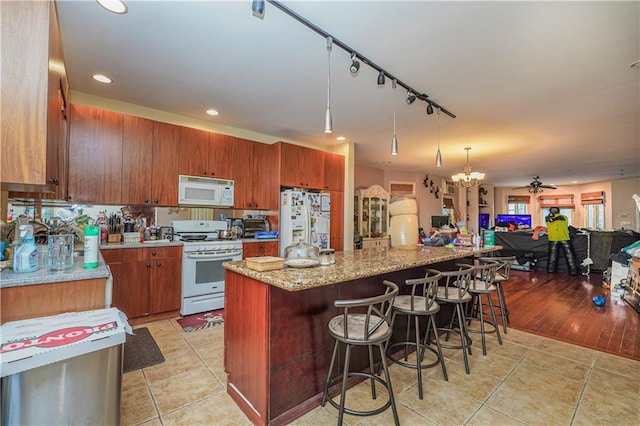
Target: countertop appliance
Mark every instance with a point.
(304, 216)
(202, 257)
(202, 191)
(253, 225)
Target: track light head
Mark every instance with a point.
(429, 109)
(257, 7)
(381, 78)
(355, 64)
(411, 98)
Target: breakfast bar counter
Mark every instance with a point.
(276, 347)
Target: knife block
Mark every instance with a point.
(114, 238)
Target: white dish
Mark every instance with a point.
(301, 263)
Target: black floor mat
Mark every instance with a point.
(141, 351)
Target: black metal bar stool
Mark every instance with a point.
(420, 303)
(482, 286)
(363, 322)
(502, 275)
(454, 289)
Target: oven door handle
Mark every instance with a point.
(213, 255)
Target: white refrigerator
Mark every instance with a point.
(304, 216)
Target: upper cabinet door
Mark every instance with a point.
(34, 137)
(194, 149)
(301, 167)
(95, 155)
(137, 160)
(265, 176)
(333, 172)
(166, 151)
(225, 156)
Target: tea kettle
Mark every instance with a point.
(165, 233)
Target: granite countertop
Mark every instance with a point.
(352, 265)
(8, 278)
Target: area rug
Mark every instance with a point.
(141, 351)
(201, 321)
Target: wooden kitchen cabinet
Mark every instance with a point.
(149, 162)
(257, 180)
(333, 172)
(301, 167)
(194, 144)
(209, 154)
(146, 281)
(336, 221)
(259, 249)
(95, 155)
(164, 176)
(34, 100)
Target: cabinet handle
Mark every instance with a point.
(158, 263)
(156, 201)
(153, 253)
(148, 264)
(213, 174)
(54, 181)
(146, 201)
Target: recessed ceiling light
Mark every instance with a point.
(115, 6)
(341, 138)
(212, 112)
(102, 78)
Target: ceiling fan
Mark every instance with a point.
(536, 187)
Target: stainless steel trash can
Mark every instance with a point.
(78, 382)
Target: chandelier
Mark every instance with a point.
(467, 178)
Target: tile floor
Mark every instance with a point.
(527, 380)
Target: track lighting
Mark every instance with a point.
(429, 109)
(328, 122)
(355, 64)
(394, 140)
(257, 7)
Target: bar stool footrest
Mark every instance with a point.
(413, 365)
(374, 412)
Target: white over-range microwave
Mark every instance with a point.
(202, 191)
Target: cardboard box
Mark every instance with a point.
(36, 342)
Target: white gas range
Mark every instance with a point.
(202, 257)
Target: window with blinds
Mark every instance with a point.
(592, 198)
(518, 204)
(561, 200)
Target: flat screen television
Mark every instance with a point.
(483, 220)
(439, 221)
(521, 220)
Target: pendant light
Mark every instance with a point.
(438, 155)
(394, 141)
(328, 122)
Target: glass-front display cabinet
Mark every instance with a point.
(371, 217)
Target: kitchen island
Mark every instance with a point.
(277, 349)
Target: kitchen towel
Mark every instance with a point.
(141, 351)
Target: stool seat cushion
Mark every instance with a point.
(452, 296)
(482, 287)
(402, 303)
(356, 328)
(500, 278)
